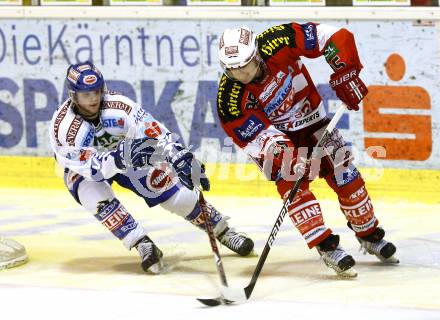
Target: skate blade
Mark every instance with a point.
(390, 260)
(228, 296)
(14, 263)
(157, 268)
(348, 274)
(214, 302)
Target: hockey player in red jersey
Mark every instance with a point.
(267, 103)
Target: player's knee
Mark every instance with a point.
(182, 202)
(92, 193)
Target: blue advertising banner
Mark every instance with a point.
(170, 67)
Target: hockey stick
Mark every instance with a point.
(248, 290)
(213, 302)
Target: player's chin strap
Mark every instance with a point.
(248, 290)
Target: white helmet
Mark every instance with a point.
(237, 47)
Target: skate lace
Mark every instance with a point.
(233, 239)
(333, 257)
(371, 247)
(146, 250)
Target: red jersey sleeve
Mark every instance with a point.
(311, 40)
(337, 45)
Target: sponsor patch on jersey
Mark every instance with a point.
(72, 132)
(229, 98)
(113, 123)
(274, 39)
(268, 91)
(60, 116)
(249, 129)
(118, 105)
(88, 139)
(310, 36)
(280, 96)
(90, 79)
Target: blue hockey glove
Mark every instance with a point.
(135, 153)
(189, 170)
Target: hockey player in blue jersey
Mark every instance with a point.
(101, 138)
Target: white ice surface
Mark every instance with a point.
(78, 271)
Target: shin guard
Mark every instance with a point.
(120, 222)
(305, 213)
(356, 205)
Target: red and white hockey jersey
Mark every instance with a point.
(286, 100)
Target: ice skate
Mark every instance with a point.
(12, 254)
(375, 244)
(151, 256)
(236, 242)
(336, 258)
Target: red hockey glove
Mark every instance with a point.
(283, 161)
(349, 87)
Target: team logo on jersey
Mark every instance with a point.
(85, 154)
(90, 79)
(231, 50)
(152, 129)
(251, 102)
(249, 129)
(245, 36)
(310, 37)
(160, 179)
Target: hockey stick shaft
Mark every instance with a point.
(248, 290)
(212, 240)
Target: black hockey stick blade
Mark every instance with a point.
(248, 290)
(214, 302)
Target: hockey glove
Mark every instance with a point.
(134, 153)
(349, 87)
(282, 161)
(189, 169)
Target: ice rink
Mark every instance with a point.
(77, 270)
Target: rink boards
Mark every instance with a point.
(240, 179)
